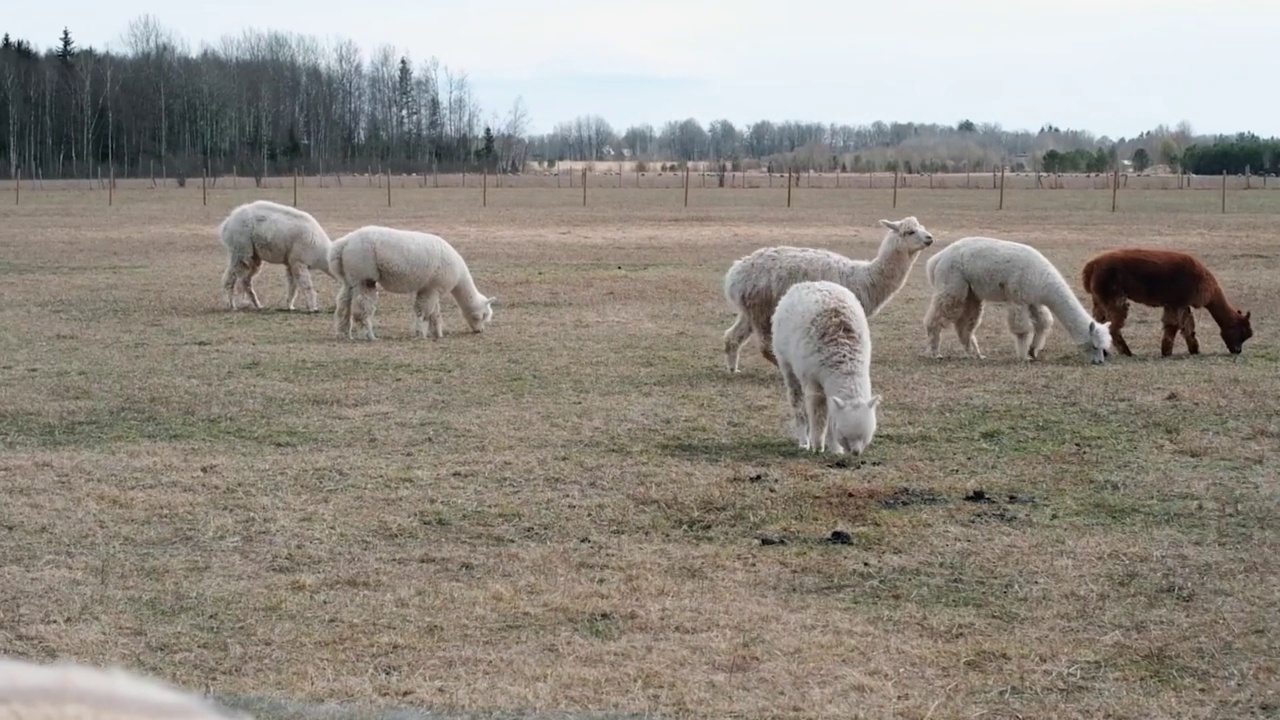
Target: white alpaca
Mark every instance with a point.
(823, 345)
(402, 261)
(755, 283)
(69, 691)
(266, 232)
(974, 270)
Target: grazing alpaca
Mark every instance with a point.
(974, 270)
(402, 261)
(823, 346)
(755, 283)
(266, 232)
(1169, 279)
(69, 691)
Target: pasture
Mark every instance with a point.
(581, 510)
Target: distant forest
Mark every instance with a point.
(270, 102)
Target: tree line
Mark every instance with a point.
(270, 102)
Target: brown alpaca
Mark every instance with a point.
(1172, 280)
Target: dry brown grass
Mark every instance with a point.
(563, 513)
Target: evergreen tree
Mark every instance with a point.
(66, 47)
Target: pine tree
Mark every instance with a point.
(488, 152)
(6, 43)
(66, 47)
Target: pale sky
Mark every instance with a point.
(1115, 67)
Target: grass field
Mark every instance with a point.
(565, 513)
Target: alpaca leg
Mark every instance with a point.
(342, 314)
(816, 407)
(1018, 319)
(363, 305)
(426, 306)
(1119, 312)
(943, 311)
(762, 326)
(967, 325)
(1042, 325)
(734, 337)
(1187, 326)
(229, 280)
(290, 285)
(1177, 320)
(246, 281)
(304, 281)
(935, 319)
(795, 400)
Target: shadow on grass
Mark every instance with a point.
(262, 708)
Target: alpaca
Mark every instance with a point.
(266, 232)
(1169, 279)
(974, 270)
(755, 283)
(402, 261)
(822, 342)
(69, 691)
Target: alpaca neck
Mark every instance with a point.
(466, 293)
(1220, 308)
(886, 274)
(1067, 309)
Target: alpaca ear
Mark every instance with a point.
(841, 404)
(1093, 325)
(873, 402)
(894, 226)
(1246, 315)
(490, 300)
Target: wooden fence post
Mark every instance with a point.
(388, 187)
(295, 186)
(484, 188)
(686, 184)
(1001, 186)
(111, 183)
(1224, 191)
(790, 172)
(584, 186)
(204, 182)
(1115, 187)
(17, 186)
(895, 187)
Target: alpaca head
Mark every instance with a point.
(1235, 332)
(909, 234)
(479, 319)
(851, 423)
(1099, 342)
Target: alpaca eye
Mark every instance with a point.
(910, 232)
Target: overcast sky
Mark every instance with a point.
(1115, 67)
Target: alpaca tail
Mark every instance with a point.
(1086, 276)
(335, 262)
(929, 266)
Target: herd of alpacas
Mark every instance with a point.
(808, 307)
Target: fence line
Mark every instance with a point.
(1036, 182)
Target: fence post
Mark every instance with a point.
(790, 172)
(388, 187)
(1224, 191)
(1001, 186)
(295, 186)
(1115, 187)
(895, 187)
(484, 188)
(17, 186)
(584, 186)
(204, 182)
(686, 184)
(111, 184)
